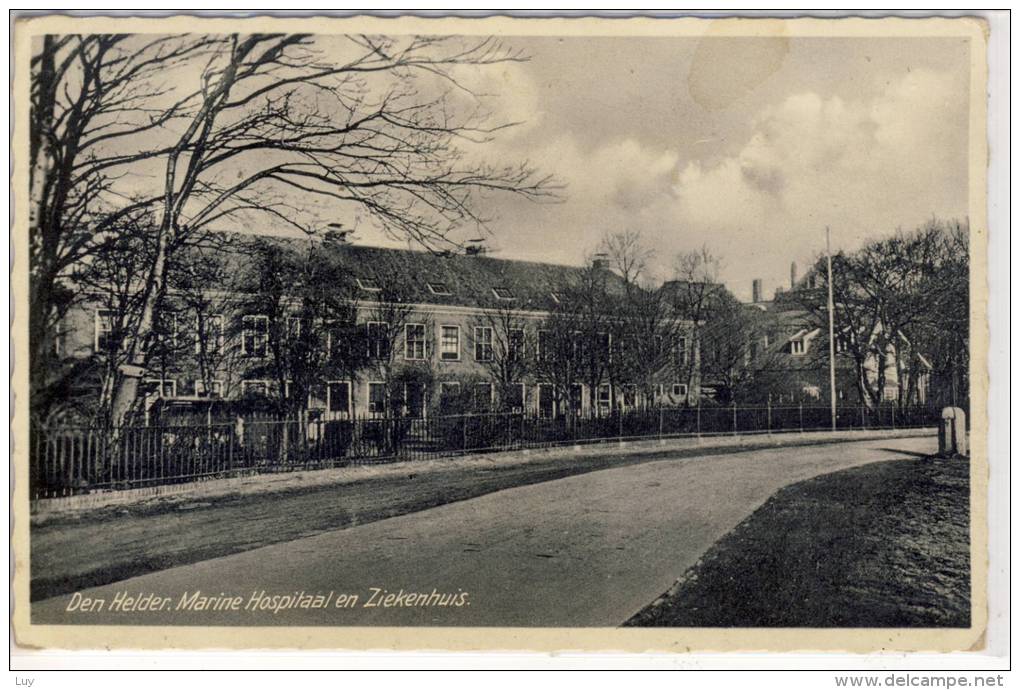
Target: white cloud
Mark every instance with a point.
(861, 165)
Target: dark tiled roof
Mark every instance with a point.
(469, 279)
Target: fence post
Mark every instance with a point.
(734, 419)
(698, 420)
(864, 426)
(660, 423)
(892, 413)
(768, 413)
(464, 430)
(619, 426)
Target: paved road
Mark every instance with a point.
(588, 550)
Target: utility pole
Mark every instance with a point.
(832, 340)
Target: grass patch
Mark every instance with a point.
(882, 545)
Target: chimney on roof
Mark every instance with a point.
(337, 234)
(756, 290)
(475, 247)
(600, 260)
(793, 274)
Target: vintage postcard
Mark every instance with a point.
(500, 334)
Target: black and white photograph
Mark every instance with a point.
(576, 335)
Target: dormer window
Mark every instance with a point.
(439, 289)
(503, 293)
(368, 284)
(797, 346)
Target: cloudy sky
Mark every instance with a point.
(750, 146)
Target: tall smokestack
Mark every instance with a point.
(793, 274)
(756, 290)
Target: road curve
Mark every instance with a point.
(588, 550)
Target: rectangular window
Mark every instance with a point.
(515, 397)
(254, 335)
(254, 387)
(605, 396)
(680, 390)
(515, 344)
(293, 328)
(414, 399)
(629, 395)
(378, 340)
(546, 400)
(161, 388)
(448, 392)
(577, 398)
(503, 293)
(208, 333)
(483, 344)
(681, 350)
(215, 389)
(377, 398)
(449, 343)
(438, 288)
(545, 345)
(414, 341)
(338, 396)
(483, 396)
(104, 338)
(167, 331)
(797, 346)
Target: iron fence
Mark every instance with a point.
(70, 460)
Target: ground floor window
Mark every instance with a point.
(338, 396)
(546, 400)
(253, 387)
(376, 398)
(515, 397)
(605, 399)
(161, 388)
(483, 396)
(448, 392)
(414, 399)
(577, 398)
(214, 390)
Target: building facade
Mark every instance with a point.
(425, 334)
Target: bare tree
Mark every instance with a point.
(629, 256)
(510, 350)
(299, 313)
(890, 297)
(96, 103)
(367, 124)
(575, 339)
(695, 293)
(645, 322)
